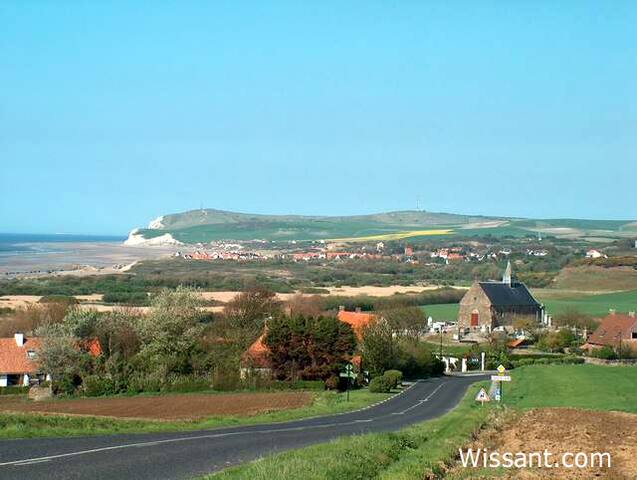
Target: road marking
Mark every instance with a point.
(32, 462)
(420, 402)
(28, 461)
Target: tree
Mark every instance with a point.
(117, 332)
(406, 321)
(252, 306)
(572, 317)
(60, 357)
(309, 347)
(170, 332)
(379, 347)
(306, 305)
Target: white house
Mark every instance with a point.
(593, 253)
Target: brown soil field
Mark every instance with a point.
(165, 407)
(561, 430)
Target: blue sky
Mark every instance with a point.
(113, 113)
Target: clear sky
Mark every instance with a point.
(113, 113)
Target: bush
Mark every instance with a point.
(97, 385)
(332, 383)
(557, 360)
(14, 390)
(126, 298)
(380, 384)
(63, 299)
(395, 377)
(606, 353)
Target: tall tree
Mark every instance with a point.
(170, 332)
(309, 347)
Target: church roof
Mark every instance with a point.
(505, 295)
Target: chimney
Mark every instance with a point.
(631, 314)
(506, 278)
(341, 308)
(358, 309)
(19, 339)
(612, 311)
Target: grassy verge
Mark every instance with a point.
(411, 453)
(29, 425)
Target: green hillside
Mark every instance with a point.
(206, 225)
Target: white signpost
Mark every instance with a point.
(500, 378)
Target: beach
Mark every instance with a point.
(76, 258)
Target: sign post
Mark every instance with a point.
(349, 374)
(500, 378)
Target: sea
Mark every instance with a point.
(29, 243)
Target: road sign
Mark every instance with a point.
(501, 369)
(500, 378)
(349, 372)
(482, 396)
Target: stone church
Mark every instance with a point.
(488, 305)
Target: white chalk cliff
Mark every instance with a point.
(136, 238)
(157, 224)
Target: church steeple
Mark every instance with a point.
(506, 278)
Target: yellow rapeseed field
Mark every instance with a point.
(395, 235)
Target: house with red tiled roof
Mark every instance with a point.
(357, 320)
(614, 328)
(18, 360)
(256, 359)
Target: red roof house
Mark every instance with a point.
(614, 328)
(358, 320)
(18, 359)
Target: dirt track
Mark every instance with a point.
(166, 407)
(561, 430)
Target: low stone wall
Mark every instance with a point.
(38, 393)
(616, 363)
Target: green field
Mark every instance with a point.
(29, 425)
(596, 305)
(442, 311)
(423, 450)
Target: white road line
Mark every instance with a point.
(432, 393)
(28, 461)
(420, 402)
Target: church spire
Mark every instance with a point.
(506, 278)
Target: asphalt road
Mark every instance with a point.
(188, 454)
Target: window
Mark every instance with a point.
(633, 335)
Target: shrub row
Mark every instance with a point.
(566, 360)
